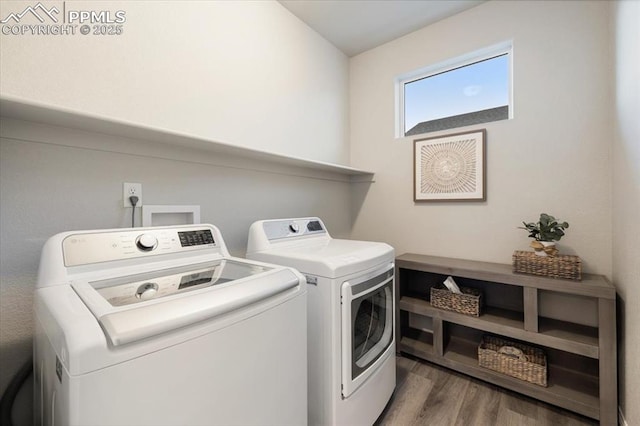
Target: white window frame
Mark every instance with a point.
(502, 48)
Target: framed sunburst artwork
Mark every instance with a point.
(450, 167)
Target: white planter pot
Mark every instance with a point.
(546, 245)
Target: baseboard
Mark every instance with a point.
(621, 420)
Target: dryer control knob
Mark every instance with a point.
(146, 242)
(294, 228)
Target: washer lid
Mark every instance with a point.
(330, 258)
(139, 306)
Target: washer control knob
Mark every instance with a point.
(294, 227)
(146, 242)
(147, 291)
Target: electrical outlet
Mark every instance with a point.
(129, 189)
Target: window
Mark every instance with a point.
(472, 89)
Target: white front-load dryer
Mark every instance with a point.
(351, 343)
(161, 326)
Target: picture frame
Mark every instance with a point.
(450, 167)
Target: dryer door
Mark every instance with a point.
(367, 326)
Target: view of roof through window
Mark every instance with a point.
(470, 94)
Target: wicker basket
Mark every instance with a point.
(513, 359)
(561, 266)
(468, 303)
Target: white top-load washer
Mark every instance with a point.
(350, 316)
(161, 326)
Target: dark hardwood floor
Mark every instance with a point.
(427, 394)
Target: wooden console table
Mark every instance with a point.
(580, 345)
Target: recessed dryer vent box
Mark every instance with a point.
(165, 215)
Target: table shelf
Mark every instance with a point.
(581, 358)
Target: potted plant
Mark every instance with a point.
(546, 232)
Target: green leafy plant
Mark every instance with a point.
(548, 228)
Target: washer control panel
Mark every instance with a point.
(292, 228)
(87, 248)
(196, 238)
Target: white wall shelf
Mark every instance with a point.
(29, 111)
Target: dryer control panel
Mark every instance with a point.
(93, 247)
(291, 228)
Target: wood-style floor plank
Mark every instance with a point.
(442, 405)
(406, 407)
(427, 394)
(518, 404)
(481, 404)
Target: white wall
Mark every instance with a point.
(553, 157)
(626, 202)
(242, 72)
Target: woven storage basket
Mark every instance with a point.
(513, 359)
(561, 266)
(468, 303)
